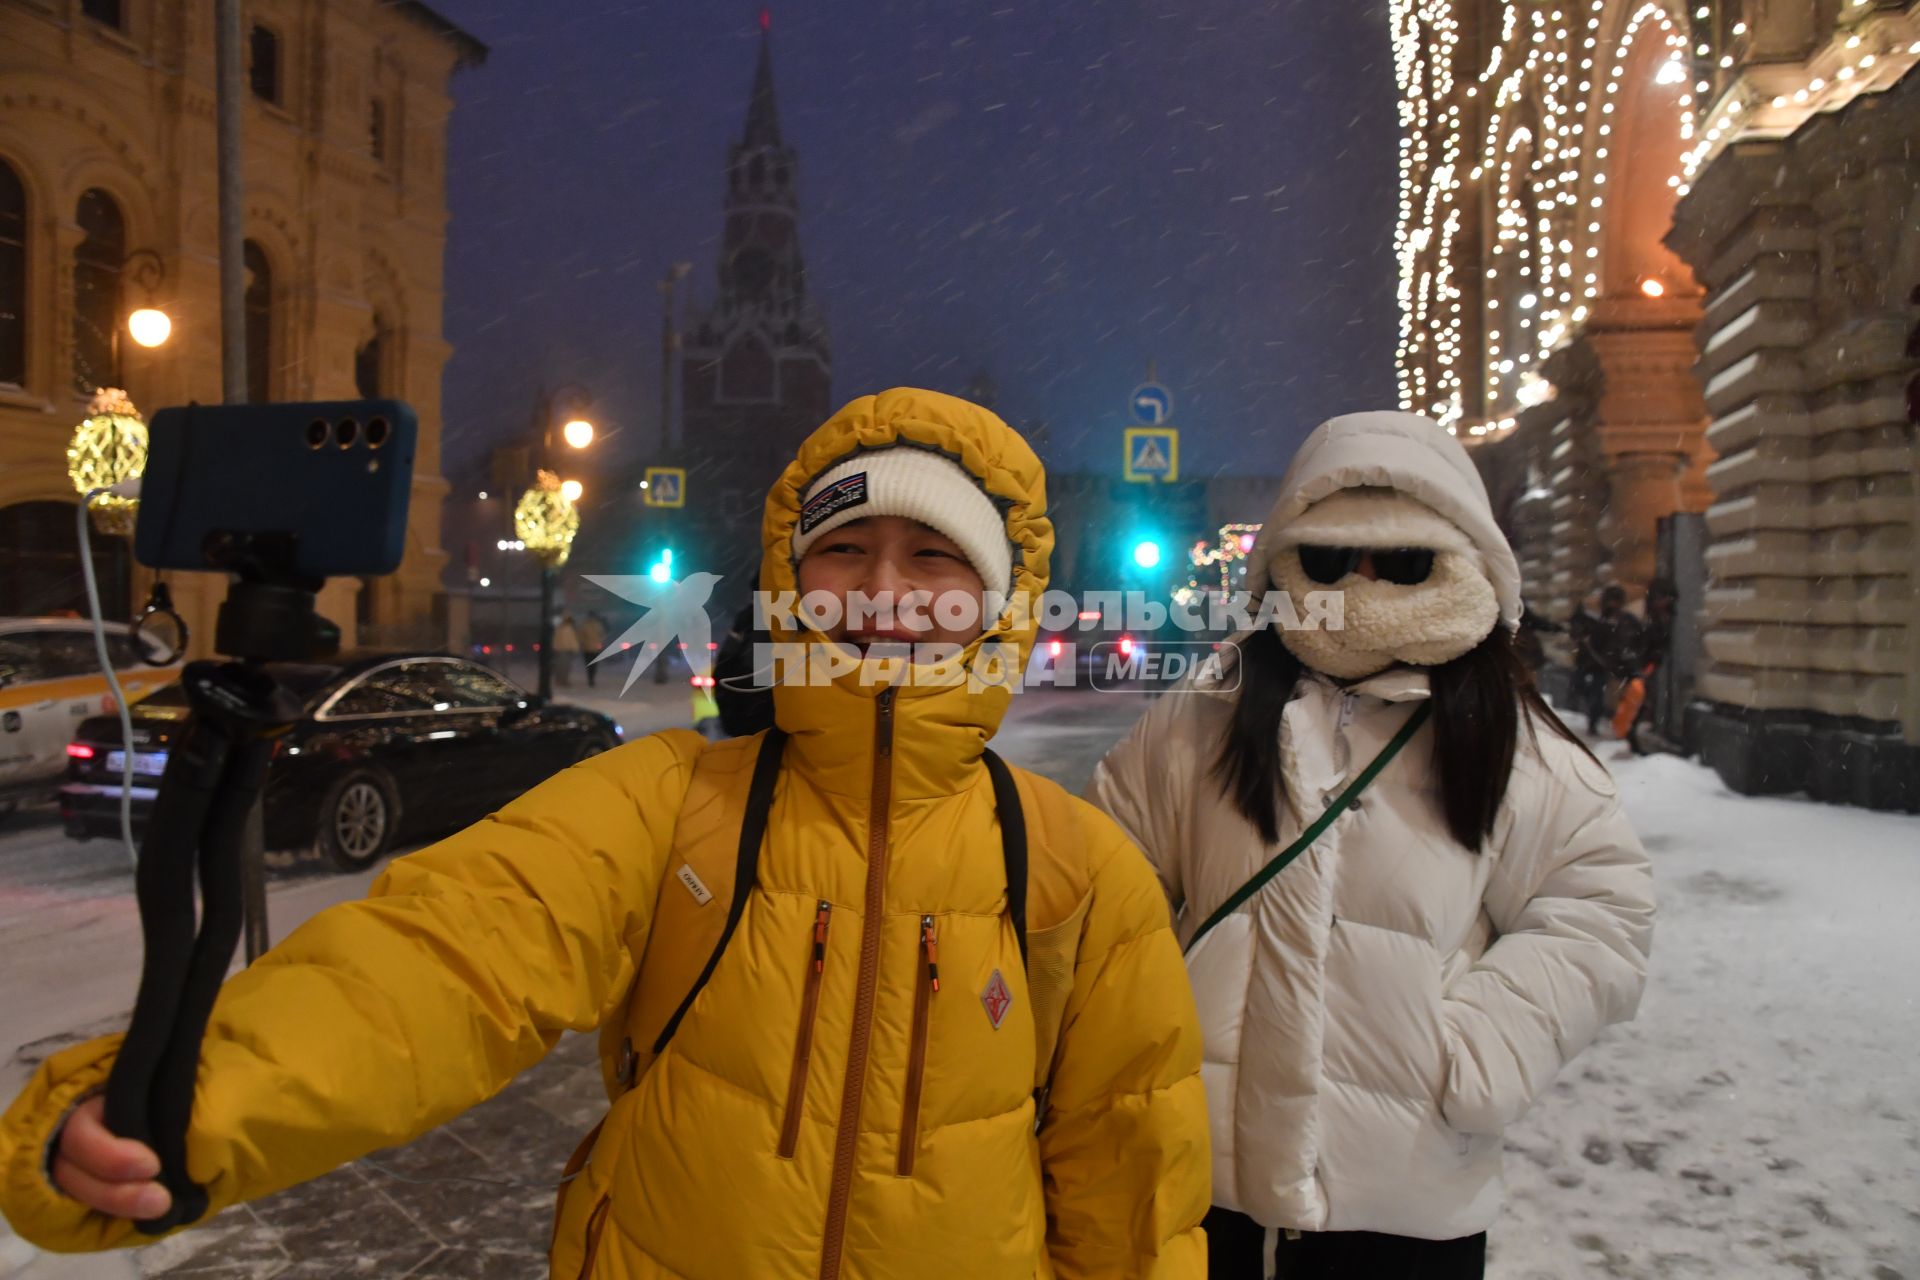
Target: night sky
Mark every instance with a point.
(1051, 192)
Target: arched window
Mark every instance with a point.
(369, 367)
(96, 291)
(263, 64)
(259, 309)
(13, 277)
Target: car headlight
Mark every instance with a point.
(618, 732)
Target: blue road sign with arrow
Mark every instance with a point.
(1152, 404)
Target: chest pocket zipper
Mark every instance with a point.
(803, 1041)
(923, 994)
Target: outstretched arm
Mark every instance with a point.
(379, 1019)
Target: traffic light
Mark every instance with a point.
(661, 570)
(1146, 553)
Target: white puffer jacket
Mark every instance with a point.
(1388, 1004)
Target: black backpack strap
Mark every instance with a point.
(746, 867)
(1013, 845)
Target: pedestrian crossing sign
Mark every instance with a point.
(1153, 453)
(665, 487)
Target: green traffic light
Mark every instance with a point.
(662, 569)
(1146, 553)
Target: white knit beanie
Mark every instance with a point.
(916, 484)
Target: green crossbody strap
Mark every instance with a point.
(1339, 806)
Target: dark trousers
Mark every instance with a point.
(1236, 1243)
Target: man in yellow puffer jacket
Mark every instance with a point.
(824, 1109)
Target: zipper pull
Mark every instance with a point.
(928, 941)
(820, 915)
(885, 711)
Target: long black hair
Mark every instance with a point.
(1478, 703)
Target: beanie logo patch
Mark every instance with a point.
(835, 498)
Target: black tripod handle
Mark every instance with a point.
(211, 783)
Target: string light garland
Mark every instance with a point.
(1537, 157)
(546, 521)
(1541, 155)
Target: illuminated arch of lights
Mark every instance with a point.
(1543, 152)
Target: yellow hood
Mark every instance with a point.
(832, 723)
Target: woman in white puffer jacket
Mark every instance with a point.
(1382, 1008)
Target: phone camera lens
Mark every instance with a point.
(346, 431)
(377, 432)
(317, 433)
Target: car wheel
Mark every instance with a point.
(592, 747)
(357, 820)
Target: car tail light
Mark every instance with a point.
(1053, 648)
(486, 648)
(1126, 646)
(509, 648)
(80, 751)
(1089, 615)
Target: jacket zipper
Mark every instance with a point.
(595, 1225)
(917, 1056)
(847, 1140)
(803, 1042)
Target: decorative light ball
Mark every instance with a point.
(108, 447)
(546, 521)
(150, 326)
(571, 490)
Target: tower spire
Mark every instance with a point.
(763, 120)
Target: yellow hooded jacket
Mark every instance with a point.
(796, 1125)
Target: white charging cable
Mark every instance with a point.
(106, 663)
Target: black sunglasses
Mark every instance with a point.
(1403, 566)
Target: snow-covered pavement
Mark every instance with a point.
(1760, 1119)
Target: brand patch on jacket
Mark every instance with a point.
(996, 999)
(695, 886)
(835, 498)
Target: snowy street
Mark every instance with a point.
(1760, 1119)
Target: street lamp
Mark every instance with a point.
(149, 325)
(545, 517)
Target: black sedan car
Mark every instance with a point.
(391, 746)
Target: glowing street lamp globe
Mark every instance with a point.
(578, 433)
(150, 326)
(571, 490)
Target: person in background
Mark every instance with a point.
(1527, 642)
(593, 638)
(1655, 647)
(566, 647)
(1606, 647)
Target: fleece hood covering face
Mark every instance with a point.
(1409, 454)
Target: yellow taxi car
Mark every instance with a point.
(50, 680)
